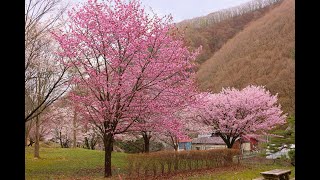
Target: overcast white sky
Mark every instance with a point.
(186, 9)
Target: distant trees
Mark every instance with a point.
(234, 113)
(45, 78)
(90, 141)
(128, 65)
(59, 120)
(38, 131)
(137, 145)
(221, 15)
(91, 136)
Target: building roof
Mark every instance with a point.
(208, 140)
(185, 140)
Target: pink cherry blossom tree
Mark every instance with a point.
(161, 122)
(234, 113)
(59, 121)
(168, 127)
(145, 127)
(128, 65)
(174, 131)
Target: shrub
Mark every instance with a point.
(292, 156)
(165, 162)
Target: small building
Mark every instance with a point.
(213, 141)
(184, 144)
(205, 143)
(248, 144)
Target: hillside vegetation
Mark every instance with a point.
(215, 29)
(261, 54)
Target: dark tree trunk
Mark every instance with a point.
(229, 146)
(108, 143)
(146, 139)
(37, 136)
(112, 143)
(75, 129)
(228, 143)
(228, 140)
(175, 146)
(93, 142)
(147, 145)
(60, 138)
(174, 141)
(86, 142)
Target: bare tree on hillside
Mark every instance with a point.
(224, 14)
(41, 17)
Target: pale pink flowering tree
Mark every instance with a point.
(172, 131)
(145, 127)
(129, 64)
(41, 132)
(166, 120)
(235, 113)
(59, 121)
(167, 127)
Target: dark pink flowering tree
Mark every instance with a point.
(128, 65)
(235, 113)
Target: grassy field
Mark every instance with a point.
(243, 173)
(58, 163)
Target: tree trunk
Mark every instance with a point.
(27, 132)
(174, 141)
(86, 142)
(26, 138)
(93, 142)
(108, 142)
(37, 136)
(146, 139)
(175, 146)
(28, 126)
(74, 129)
(227, 140)
(229, 146)
(60, 138)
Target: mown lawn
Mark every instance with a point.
(248, 172)
(68, 163)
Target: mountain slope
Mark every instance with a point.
(261, 54)
(215, 29)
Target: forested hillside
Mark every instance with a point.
(261, 54)
(215, 29)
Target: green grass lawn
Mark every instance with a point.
(247, 173)
(68, 163)
(64, 163)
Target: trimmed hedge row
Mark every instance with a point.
(165, 162)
